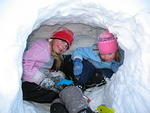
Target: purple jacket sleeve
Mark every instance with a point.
(33, 59)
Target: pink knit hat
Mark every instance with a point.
(107, 43)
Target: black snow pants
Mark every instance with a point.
(34, 92)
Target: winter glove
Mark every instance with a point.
(65, 82)
(47, 83)
(78, 66)
(56, 76)
(114, 66)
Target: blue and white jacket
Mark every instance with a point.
(91, 54)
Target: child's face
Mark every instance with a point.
(59, 46)
(107, 57)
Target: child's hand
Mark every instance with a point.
(65, 82)
(78, 66)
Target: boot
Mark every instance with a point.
(96, 81)
(58, 108)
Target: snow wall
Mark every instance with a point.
(127, 92)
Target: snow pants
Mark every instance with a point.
(89, 73)
(34, 92)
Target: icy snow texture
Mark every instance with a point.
(127, 92)
(84, 35)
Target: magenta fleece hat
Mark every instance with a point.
(107, 43)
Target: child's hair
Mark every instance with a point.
(58, 59)
(117, 56)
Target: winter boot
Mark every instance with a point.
(58, 108)
(96, 81)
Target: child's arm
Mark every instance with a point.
(78, 55)
(114, 66)
(82, 52)
(30, 59)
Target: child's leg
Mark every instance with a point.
(73, 99)
(67, 66)
(106, 72)
(96, 80)
(34, 92)
(87, 72)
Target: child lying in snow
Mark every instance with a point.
(39, 83)
(41, 56)
(92, 64)
(105, 58)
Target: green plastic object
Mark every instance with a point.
(105, 109)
